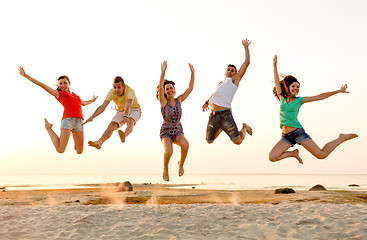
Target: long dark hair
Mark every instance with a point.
(164, 84)
(284, 85)
(62, 77)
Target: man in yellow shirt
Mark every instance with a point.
(128, 111)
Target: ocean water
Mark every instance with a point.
(215, 181)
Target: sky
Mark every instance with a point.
(321, 43)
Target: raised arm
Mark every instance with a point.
(51, 91)
(84, 103)
(161, 97)
(238, 76)
(98, 111)
(183, 96)
(322, 96)
(276, 77)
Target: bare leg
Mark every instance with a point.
(129, 128)
(106, 135)
(78, 141)
(59, 143)
(312, 147)
(184, 144)
(168, 150)
(245, 129)
(280, 152)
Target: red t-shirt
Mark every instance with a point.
(72, 105)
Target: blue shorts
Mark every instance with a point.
(295, 137)
(73, 124)
(221, 120)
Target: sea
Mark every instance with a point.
(346, 182)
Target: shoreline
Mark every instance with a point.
(155, 194)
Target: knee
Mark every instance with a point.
(185, 145)
(237, 142)
(131, 122)
(321, 156)
(60, 150)
(272, 158)
(168, 152)
(112, 126)
(209, 141)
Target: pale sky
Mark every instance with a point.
(321, 43)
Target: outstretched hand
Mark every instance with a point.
(343, 88)
(94, 98)
(191, 68)
(21, 71)
(246, 42)
(87, 121)
(275, 60)
(205, 107)
(164, 66)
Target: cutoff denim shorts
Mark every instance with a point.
(221, 120)
(73, 124)
(295, 137)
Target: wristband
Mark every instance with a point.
(207, 102)
(125, 117)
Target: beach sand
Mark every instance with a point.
(156, 212)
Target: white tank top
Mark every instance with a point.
(224, 93)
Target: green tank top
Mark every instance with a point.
(289, 112)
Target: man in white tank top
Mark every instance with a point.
(221, 118)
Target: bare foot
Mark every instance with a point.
(47, 124)
(296, 155)
(165, 174)
(347, 137)
(247, 128)
(122, 135)
(180, 170)
(95, 144)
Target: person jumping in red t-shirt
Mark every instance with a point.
(72, 118)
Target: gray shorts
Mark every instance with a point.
(135, 113)
(221, 120)
(73, 124)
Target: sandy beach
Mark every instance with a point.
(157, 212)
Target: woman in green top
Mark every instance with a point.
(286, 92)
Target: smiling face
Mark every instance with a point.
(294, 89)
(64, 85)
(230, 71)
(118, 88)
(169, 90)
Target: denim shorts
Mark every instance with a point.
(221, 120)
(295, 137)
(73, 124)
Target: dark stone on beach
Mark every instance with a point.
(318, 187)
(284, 191)
(77, 200)
(353, 185)
(125, 186)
